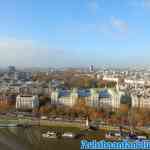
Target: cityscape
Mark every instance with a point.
(92, 103)
(74, 74)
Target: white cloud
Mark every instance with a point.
(119, 25)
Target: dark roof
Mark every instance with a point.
(104, 94)
(125, 99)
(64, 93)
(84, 93)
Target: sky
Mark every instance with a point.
(74, 33)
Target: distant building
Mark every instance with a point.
(112, 79)
(134, 83)
(25, 76)
(140, 101)
(11, 69)
(91, 69)
(7, 99)
(27, 102)
(140, 82)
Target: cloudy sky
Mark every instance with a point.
(59, 33)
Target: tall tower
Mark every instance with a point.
(91, 69)
(11, 69)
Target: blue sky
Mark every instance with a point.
(62, 33)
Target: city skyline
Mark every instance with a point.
(74, 33)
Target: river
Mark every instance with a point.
(31, 139)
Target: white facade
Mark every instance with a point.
(110, 79)
(68, 100)
(113, 100)
(105, 102)
(27, 102)
(140, 102)
(55, 97)
(116, 97)
(93, 100)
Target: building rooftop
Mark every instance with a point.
(63, 93)
(104, 94)
(84, 93)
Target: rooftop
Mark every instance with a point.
(104, 94)
(84, 93)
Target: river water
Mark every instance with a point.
(31, 139)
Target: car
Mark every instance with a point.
(117, 134)
(58, 119)
(109, 135)
(20, 115)
(44, 117)
(77, 120)
(142, 137)
(68, 135)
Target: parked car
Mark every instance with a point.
(58, 119)
(113, 135)
(142, 137)
(44, 117)
(20, 115)
(68, 135)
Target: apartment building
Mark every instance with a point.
(27, 102)
(92, 97)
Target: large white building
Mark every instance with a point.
(140, 101)
(27, 102)
(136, 82)
(64, 97)
(93, 97)
(141, 98)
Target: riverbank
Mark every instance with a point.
(9, 122)
(6, 122)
